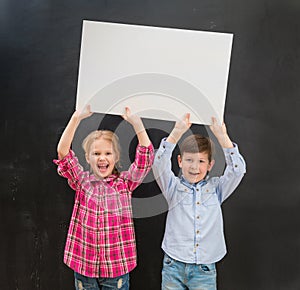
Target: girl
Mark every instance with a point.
(100, 245)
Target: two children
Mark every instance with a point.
(100, 246)
(194, 240)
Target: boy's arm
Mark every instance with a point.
(162, 167)
(138, 127)
(235, 163)
(66, 138)
(220, 132)
(181, 126)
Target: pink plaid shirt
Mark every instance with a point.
(101, 239)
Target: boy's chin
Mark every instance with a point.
(194, 179)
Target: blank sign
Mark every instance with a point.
(161, 73)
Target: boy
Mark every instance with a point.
(194, 239)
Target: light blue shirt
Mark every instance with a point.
(194, 227)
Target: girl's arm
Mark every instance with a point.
(138, 127)
(66, 138)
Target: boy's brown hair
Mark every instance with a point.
(197, 143)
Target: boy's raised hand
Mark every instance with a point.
(220, 131)
(181, 126)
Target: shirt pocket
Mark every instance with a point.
(185, 195)
(209, 196)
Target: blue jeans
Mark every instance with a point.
(181, 276)
(86, 283)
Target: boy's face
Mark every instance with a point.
(194, 166)
(101, 158)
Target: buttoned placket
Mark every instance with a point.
(197, 232)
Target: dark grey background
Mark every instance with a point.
(40, 47)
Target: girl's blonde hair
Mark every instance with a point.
(106, 135)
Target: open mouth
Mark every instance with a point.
(103, 167)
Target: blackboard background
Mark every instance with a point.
(40, 46)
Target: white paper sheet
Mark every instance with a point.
(159, 73)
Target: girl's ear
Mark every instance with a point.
(179, 161)
(87, 158)
(211, 164)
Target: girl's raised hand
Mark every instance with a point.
(133, 119)
(84, 113)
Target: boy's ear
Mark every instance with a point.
(211, 164)
(179, 161)
(87, 158)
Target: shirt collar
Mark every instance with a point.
(108, 179)
(191, 185)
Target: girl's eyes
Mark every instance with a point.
(97, 153)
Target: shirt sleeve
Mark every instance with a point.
(69, 168)
(140, 167)
(233, 174)
(162, 168)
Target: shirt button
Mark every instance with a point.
(197, 245)
(198, 202)
(235, 166)
(198, 217)
(158, 157)
(164, 146)
(198, 232)
(197, 189)
(231, 153)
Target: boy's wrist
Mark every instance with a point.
(225, 141)
(175, 135)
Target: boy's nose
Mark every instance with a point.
(194, 165)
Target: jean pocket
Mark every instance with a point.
(208, 268)
(168, 261)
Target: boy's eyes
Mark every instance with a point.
(191, 160)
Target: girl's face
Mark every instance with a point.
(101, 158)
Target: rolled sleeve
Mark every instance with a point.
(233, 174)
(69, 167)
(140, 167)
(235, 160)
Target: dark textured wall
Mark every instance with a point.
(40, 46)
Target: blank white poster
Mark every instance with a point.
(160, 73)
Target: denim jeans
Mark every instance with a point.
(86, 283)
(181, 276)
